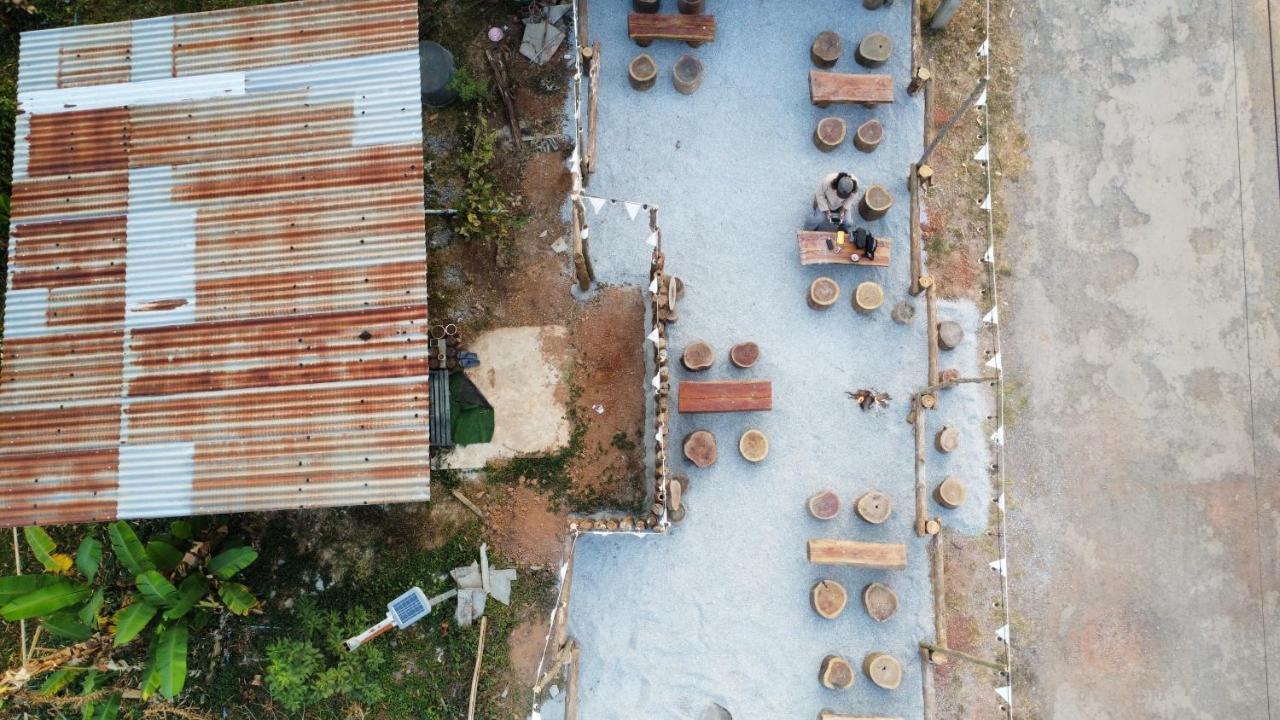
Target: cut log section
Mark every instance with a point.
(855, 553)
(825, 505)
(868, 136)
(874, 507)
(691, 7)
(754, 446)
(874, 50)
(832, 715)
(714, 396)
(829, 599)
(881, 602)
(947, 439)
(823, 293)
(829, 134)
(868, 297)
(950, 335)
(646, 6)
(903, 313)
(686, 74)
(836, 673)
(700, 448)
(698, 356)
(875, 203)
(949, 493)
(883, 670)
(744, 355)
(642, 72)
(826, 49)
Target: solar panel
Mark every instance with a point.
(409, 608)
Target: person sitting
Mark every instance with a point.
(834, 200)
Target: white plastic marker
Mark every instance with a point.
(1003, 634)
(653, 336)
(997, 437)
(596, 203)
(982, 99)
(1005, 693)
(999, 566)
(984, 48)
(652, 239)
(1000, 502)
(633, 209)
(984, 153)
(990, 255)
(992, 317)
(986, 203)
(994, 362)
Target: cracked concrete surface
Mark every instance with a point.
(1141, 325)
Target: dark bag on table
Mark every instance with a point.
(866, 242)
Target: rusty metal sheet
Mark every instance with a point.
(216, 290)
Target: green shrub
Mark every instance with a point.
(290, 666)
(318, 668)
(470, 88)
(483, 209)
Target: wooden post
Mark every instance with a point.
(593, 90)
(917, 243)
(475, 675)
(571, 687)
(963, 656)
(946, 10)
(939, 576)
(922, 497)
(580, 21)
(931, 316)
(926, 686)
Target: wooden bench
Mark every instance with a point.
(725, 396)
(828, 715)
(644, 28)
(854, 553)
(828, 87)
(813, 250)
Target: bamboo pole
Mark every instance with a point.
(917, 243)
(475, 674)
(992, 665)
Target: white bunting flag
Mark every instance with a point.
(997, 437)
(982, 99)
(983, 153)
(652, 239)
(1000, 502)
(653, 286)
(633, 209)
(989, 256)
(986, 203)
(657, 381)
(992, 317)
(653, 336)
(596, 203)
(1005, 693)
(984, 48)
(999, 566)
(994, 362)
(661, 438)
(573, 158)
(1002, 634)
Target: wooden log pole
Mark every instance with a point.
(927, 686)
(931, 313)
(571, 685)
(938, 575)
(917, 243)
(593, 108)
(989, 664)
(922, 497)
(475, 674)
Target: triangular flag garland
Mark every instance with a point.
(596, 203)
(986, 203)
(653, 336)
(1005, 693)
(652, 239)
(994, 362)
(984, 48)
(983, 153)
(656, 382)
(633, 209)
(992, 317)
(989, 256)
(1003, 634)
(1000, 502)
(997, 437)
(653, 286)
(982, 99)
(999, 566)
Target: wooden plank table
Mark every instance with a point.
(725, 396)
(854, 553)
(693, 29)
(813, 250)
(828, 87)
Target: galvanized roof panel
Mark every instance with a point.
(217, 268)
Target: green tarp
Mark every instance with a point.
(470, 413)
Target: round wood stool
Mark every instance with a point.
(686, 75)
(829, 133)
(744, 355)
(883, 670)
(874, 50)
(698, 356)
(753, 445)
(875, 202)
(874, 507)
(823, 293)
(825, 505)
(642, 72)
(947, 439)
(646, 6)
(868, 297)
(826, 49)
(881, 602)
(690, 7)
(950, 335)
(700, 448)
(836, 673)
(868, 136)
(829, 598)
(949, 493)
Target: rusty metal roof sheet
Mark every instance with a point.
(216, 292)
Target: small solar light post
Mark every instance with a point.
(402, 612)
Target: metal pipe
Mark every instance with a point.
(938, 21)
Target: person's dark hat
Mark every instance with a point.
(846, 185)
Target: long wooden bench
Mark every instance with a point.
(644, 28)
(855, 553)
(828, 87)
(828, 715)
(813, 250)
(725, 396)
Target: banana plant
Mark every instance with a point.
(114, 597)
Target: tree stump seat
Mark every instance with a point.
(868, 297)
(744, 354)
(829, 598)
(883, 670)
(825, 505)
(950, 335)
(873, 50)
(868, 136)
(947, 439)
(875, 203)
(880, 602)
(686, 74)
(829, 134)
(698, 356)
(823, 293)
(950, 493)
(691, 7)
(700, 448)
(836, 673)
(874, 507)
(642, 73)
(826, 49)
(753, 445)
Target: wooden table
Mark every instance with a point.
(725, 396)
(813, 250)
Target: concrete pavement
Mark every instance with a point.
(1141, 325)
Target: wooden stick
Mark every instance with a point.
(484, 567)
(932, 389)
(593, 90)
(467, 501)
(558, 662)
(926, 686)
(963, 656)
(922, 498)
(917, 244)
(580, 268)
(969, 101)
(500, 80)
(931, 308)
(571, 689)
(475, 675)
(938, 566)
(22, 624)
(581, 22)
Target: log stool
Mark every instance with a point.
(836, 673)
(829, 133)
(686, 75)
(646, 6)
(826, 49)
(868, 297)
(868, 136)
(744, 355)
(947, 439)
(874, 50)
(874, 507)
(829, 598)
(883, 670)
(825, 505)
(823, 293)
(949, 493)
(675, 498)
(903, 313)
(872, 4)
(700, 448)
(642, 72)
(753, 445)
(881, 602)
(698, 356)
(950, 335)
(875, 202)
(690, 7)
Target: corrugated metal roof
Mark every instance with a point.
(217, 268)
